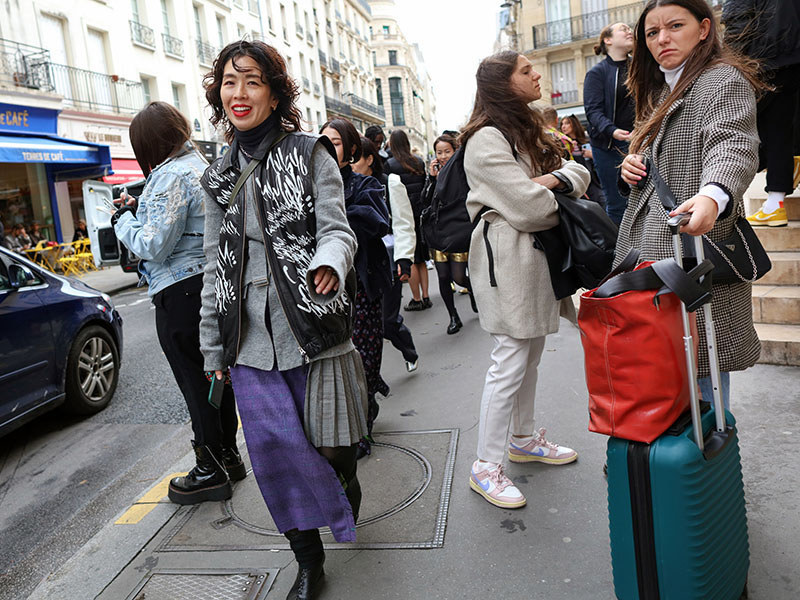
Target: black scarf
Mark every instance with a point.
(249, 140)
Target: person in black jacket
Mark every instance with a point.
(411, 170)
(368, 217)
(450, 266)
(610, 112)
(769, 30)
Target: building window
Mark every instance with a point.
(135, 10)
(396, 98)
(592, 60)
(198, 25)
(392, 57)
(559, 26)
(374, 59)
(148, 97)
(176, 96)
(221, 32)
(386, 31)
(562, 77)
(165, 16)
(379, 92)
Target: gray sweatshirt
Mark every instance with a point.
(262, 312)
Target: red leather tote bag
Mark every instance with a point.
(635, 360)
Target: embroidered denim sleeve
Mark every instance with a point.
(159, 222)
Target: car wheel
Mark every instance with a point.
(92, 371)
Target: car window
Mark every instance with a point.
(5, 284)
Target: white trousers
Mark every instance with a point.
(508, 394)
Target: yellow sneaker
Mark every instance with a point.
(776, 218)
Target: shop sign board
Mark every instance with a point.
(27, 119)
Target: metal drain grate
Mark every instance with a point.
(163, 584)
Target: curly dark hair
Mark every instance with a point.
(273, 73)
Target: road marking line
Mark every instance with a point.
(142, 507)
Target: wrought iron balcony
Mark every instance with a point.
(24, 66)
(380, 35)
(335, 66)
(338, 107)
(172, 46)
(585, 26)
(89, 90)
(206, 53)
(142, 35)
(367, 107)
(567, 97)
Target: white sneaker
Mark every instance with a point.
(491, 482)
(411, 366)
(540, 449)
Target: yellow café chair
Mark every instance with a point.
(68, 260)
(83, 249)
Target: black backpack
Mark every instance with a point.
(445, 223)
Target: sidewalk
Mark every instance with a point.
(110, 279)
(424, 534)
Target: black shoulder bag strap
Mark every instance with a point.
(251, 166)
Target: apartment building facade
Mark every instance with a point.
(344, 58)
(404, 87)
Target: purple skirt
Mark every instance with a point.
(300, 488)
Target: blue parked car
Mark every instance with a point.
(60, 343)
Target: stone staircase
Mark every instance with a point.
(776, 296)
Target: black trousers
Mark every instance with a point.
(776, 116)
(178, 327)
(393, 328)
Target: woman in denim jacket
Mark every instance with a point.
(166, 232)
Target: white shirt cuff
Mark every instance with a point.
(719, 196)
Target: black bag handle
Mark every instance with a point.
(251, 166)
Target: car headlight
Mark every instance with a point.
(107, 298)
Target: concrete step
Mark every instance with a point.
(780, 239)
(780, 344)
(779, 304)
(785, 269)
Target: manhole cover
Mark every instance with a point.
(221, 584)
(406, 484)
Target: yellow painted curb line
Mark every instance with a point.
(146, 503)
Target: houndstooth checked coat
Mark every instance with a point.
(708, 136)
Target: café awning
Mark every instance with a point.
(124, 170)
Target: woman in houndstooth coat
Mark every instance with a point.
(696, 121)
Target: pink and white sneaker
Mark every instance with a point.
(540, 449)
(491, 482)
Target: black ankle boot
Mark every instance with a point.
(208, 480)
(308, 582)
(455, 325)
(472, 301)
(233, 463)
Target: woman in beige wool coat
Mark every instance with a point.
(512, 166)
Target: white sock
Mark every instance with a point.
(480, 465)
(773, 202)
(521, 440)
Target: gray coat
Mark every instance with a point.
(708, 136)
(523, 304)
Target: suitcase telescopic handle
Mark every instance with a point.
(675, 224)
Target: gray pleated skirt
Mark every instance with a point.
(336, 401)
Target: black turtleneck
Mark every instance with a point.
(250, 140)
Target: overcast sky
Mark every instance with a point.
(454, 36)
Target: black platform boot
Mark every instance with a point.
(233, 463)
(307, 548)
(455, 324)
(207, 481)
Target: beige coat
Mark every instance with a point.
(523, 304)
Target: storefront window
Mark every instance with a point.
(25, 197)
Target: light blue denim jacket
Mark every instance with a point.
(167, 231)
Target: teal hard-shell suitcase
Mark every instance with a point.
(677, 516)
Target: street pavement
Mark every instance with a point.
(424, 533)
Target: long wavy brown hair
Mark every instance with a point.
(645, 80)
(273, 73)
(496, 105)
